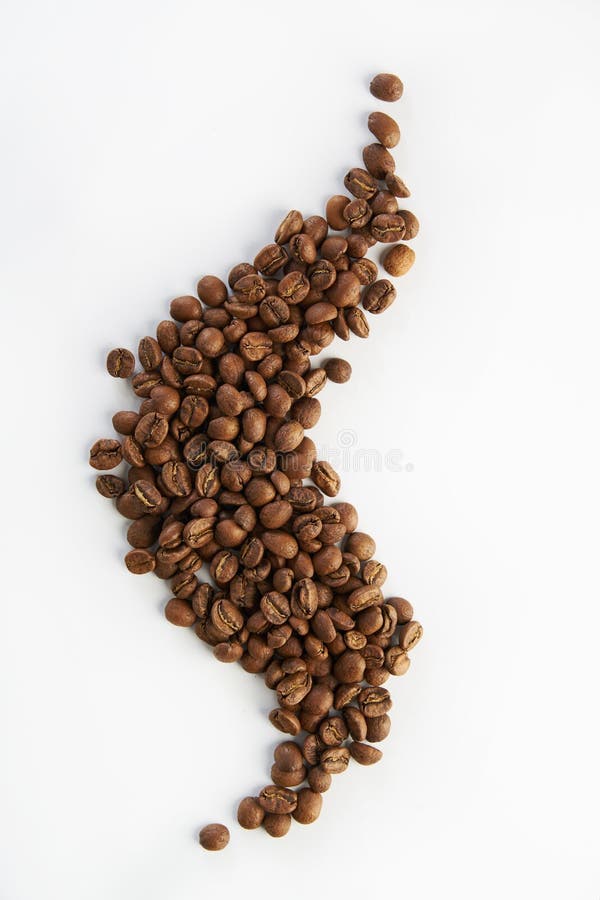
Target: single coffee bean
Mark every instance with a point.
(378, 728)
(285, 720)
(105, 454)
(387, 228)
(384, 203)
(319, 780)
(357, 322)
(374, 701)
(179, 612)
(308, 807)
(364, 754)
(357, 213)
(334, 212)
(398, 260)
(411, 224)
(384, 128)
(334, 760)
(291, 225)
(326, 478)
(139, 562)
(379, 296)
(361, 184)
(386, 87)
(409, 635)
(270, 259)
(214, 837)
(110, 486)
(120, 363)
(250, 813)
(338, 370)
(277, 825)
(378, 161)
(396, 186)
(274, 799)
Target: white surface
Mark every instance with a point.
(147, 143)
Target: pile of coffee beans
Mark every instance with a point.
(223, 480)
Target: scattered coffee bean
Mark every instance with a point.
(384, 128)
(338, 370)
(386, 87)
(214, 837)
(250, 813)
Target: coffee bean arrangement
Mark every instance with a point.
(224, 481)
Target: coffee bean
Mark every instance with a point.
(378, 728)
(398, 259)
(308, 807)
(374, 701)
(105, 454)
(278, 800)
(360, 183)
(384, 128)
(396, 186)
(179, 612)
(291, 225)
(250, 813)
(364, 754)
(334, 760)
(139, 562)
(326, 478)
(386, 87)
(120, 363)
(357, 323)
(379, 296)
(387, 228)
(277, 825)
(338, 370)
(334, 212)
(378, 161)
(214, 837)
(285, 720)
(110, 486)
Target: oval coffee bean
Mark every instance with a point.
(120, 363)
(279, 800)
(384, 128)
(386, 87)
(364, 754)
(214, 837)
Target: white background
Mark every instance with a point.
(144, 144)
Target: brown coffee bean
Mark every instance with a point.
(250, 813)
(357, 213)
(345, 291)
(364, 754)
(338, 370)
(409, 635)
(270, 259)
(105, 454)
(308, 807)
(374, 701)
(334, 212)
(387, 228)
(139, 562)
(378, 728)
(277, 825)
(319, 780)
(334, 760)
(356, 722)
(326, 478)
(211, 291)
(278, 800)
(384, 128)
(179, 612)
(378, 161)
(361, 184)
(379, 296)
(214, 837)
(396, 186)
(110, 486)
(285, 720)
(386, 87)
(120, 363)
(398, 259)
(357, 322)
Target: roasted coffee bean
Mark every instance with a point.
(308, 806)
(387, 228)
(338, 370)
(357, 323)
(285, 720)
(270, 259)
(250, 813)
(357, 213)
(374, 701)
(105, 454)
(364, 754)
(379, 296)
(361, 184)
(398, 260)
(325, 478)
(334, 760)
(179, 612)
(345, 291)
(334, 212)
(409, 635)
(120, 363)
(365, 270)
(278, 800)
(214, 837)
(378, 728)
(139, 562)
(378, 161)
(277, 825)
(110, 486)
(384, 128)
(386, 87)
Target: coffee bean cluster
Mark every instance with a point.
(224, 482)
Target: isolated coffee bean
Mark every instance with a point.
(179, 612)
(386, 87)
(398, 259)
(139, 562)
(214, 837)
(338, 370)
